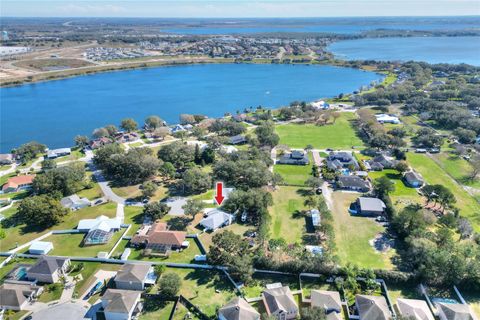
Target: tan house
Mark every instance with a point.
(121, 304)
(48, 269)
(158, 238)
(15, 296)
(134, 276)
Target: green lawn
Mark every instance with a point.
(156, 310)
(336, 136)
(93, 193)
(294, 175)
(403, 195)
(206, 289)
(71, 245)
(51, 292)
(434, 174)
(287, 220)
(21, 233)
(87, 273)
(353, 233)
(456, 167)
(75, 155)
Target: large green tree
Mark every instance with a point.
(41, 211)
(178, 154)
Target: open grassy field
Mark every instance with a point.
(456, 167)
(336, 136)
(287, 220)
(403, 195)
(53, 64)
(21, 233)
(294, 175)
(71, 245)
(134, 192)
(434, 174)
(75, 155)
(353, 233)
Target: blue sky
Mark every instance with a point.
(238, 8)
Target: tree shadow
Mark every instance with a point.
(304, 192)
(178, 223)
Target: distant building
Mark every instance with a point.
(238, 139)
(74, 202)
(6, 158)
(123, 137)
(18, 183)
(370, 206)
(238, 309)
(320, 105)
(413, 179)
(341, 160)
(353, 183)
(55, 153)
(296, 157)
(386, 118)
(40, 247)
(100, 142)
(280, 303)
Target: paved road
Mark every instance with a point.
(107, 191)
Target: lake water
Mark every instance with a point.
(328, 25)
(54, 112)
(429, 49)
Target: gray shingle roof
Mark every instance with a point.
(279, 299)
(456, 311)
(120, 301)
(47, 265)
(238, 309)
(328, 300)
(372, 307)
(133, 272)
(371, 204)
(414, 308)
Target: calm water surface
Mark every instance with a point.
(54, 112)
(428, 49)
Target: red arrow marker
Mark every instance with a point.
(219, 196)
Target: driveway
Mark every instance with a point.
(107, 191)
(101, 275)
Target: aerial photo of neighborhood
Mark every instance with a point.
(240, 160)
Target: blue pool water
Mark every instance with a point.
(54, 112)
(428, 49)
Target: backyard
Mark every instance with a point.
(339, 135)
(293, 174)
(353, 235)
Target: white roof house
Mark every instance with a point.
(386, 118)
(58, 152)
(74, 202)
(216, 219)
(316, 220)
(40, 247)
(103, 223)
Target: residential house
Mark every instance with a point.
(353, 183)
(342, 160)
(216, 219)
(40, 247)
(316, 219)
(16, 295)
(177, 128)
(238, 139)
(6, 158)
(121, 304)
(18, 183)
(329, 301)
(48, 269)
(454, 311)
(55, 153)
(414, 309)
(99, 142)
(123, 137)
(74, 202)
(296, 157)
(238, 309)
(386, 118)
(99, 230)
(134, 276)
(320, 105)
(381, 162)
(279, 302)
(413, 179)
(371, 207)
(372, 308)
(158, 238)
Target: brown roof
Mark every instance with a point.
(133, 272)
(158, 234)
(14, 182)
(120, 301)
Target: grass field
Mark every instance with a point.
(434, 174)
(287, 220)
(21, 233)
(51, 292)
(156, 310)
(53, 64)
(456, 167)
(353, 233)
(336, 136)
(294, 175)
(93, 193)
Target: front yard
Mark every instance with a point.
(294, 175)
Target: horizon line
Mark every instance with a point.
(250, 17)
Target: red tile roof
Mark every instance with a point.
(15, 182)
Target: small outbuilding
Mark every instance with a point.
(370, 206)
(40, 247)
(413, 179)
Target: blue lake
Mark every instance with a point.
(54, 112)
(428, 49)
